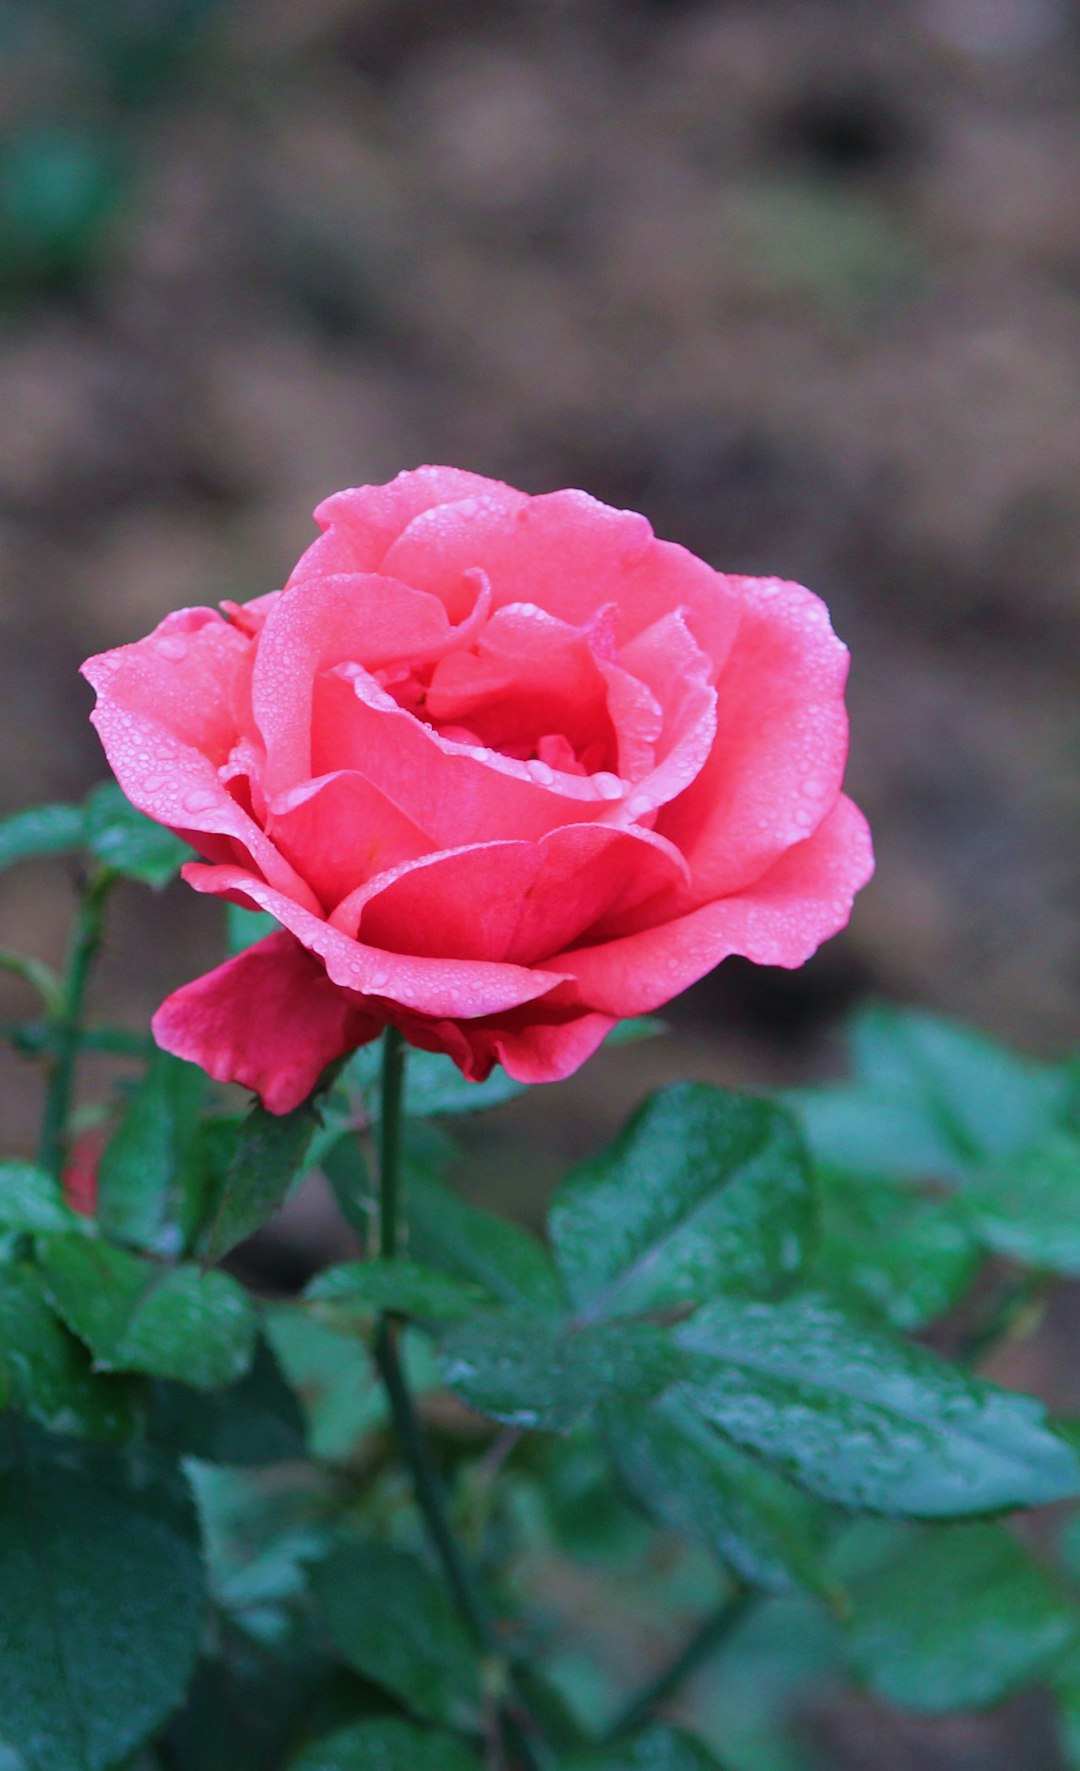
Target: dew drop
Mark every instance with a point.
(542, 772)
(173, 647)
(198, 801)
(152, 784)
(607, 786)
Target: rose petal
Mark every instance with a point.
(340, 831)
(360, 618)
(455, 792)
(169, 712)
(568, 554)
(362, 522)
(777, 761)
(440, 987)
(513, 902)
(667, 659)
(270, 1019)
(531, 1046)
(780, 920)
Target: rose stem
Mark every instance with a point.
(85, 939)
(426, 1479)
(704, 1642)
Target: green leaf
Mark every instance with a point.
(39, 832)
(885, 1247)
(357, 1290)
(334, 1377)
(47, 1372)
(31, 1200)
(531, 1370)
(964, 1617)
(101, 1602)
(704, 1191)
(931, 1097)
(1029, 1208)
(269, 1157)
(986, 1100)
(865, 1419)
(658, 1748)
(1065, 1682)
(692, 1480)
(134, 1315)
(387, 1745)
(149, 1174)
(476, 1245)
(262, 1531)
(393, 1621)
(129, 842)
(257, 1420)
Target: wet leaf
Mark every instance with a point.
(101, 1601)
(866, 1419)
(964, 1617)
(135, 1315)
(704, 1191)
(393, 1621)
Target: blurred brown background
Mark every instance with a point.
(798, 278)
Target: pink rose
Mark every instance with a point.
(505, 769)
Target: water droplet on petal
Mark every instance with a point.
(542, 772)
(199, 800)
(172, 646)
(607, 786)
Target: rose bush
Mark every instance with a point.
(504, 768)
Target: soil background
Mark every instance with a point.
(800, 279)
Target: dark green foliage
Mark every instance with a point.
(134, 1315)
(440, 1496)
(704, 1191)
(101, 1600)
(268, 1158)
(393, 1621)
(959, 1620)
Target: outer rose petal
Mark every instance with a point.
(532, 1045)
(514, 901)
(270, 1018)
(780, 920)
(170, 709)
(439, 987)
(781, 743)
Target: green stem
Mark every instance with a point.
(392, 1094)
(426, 1478)
(83, 946)
(707, 1638)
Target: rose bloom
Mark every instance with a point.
(505, 769)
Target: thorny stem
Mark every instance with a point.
(427, 1481)
(86, 935)
(707, 1638)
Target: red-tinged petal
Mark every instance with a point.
(528, 674)
(514, 902)
(339, 831)
(455, 792)
(358, 618)
(531, 1045)
(439, 987)
(570, 555)
(780, 920)
(362, 522)
(171, 711)
(270, 1019)
(777, 762)
(667, 659)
